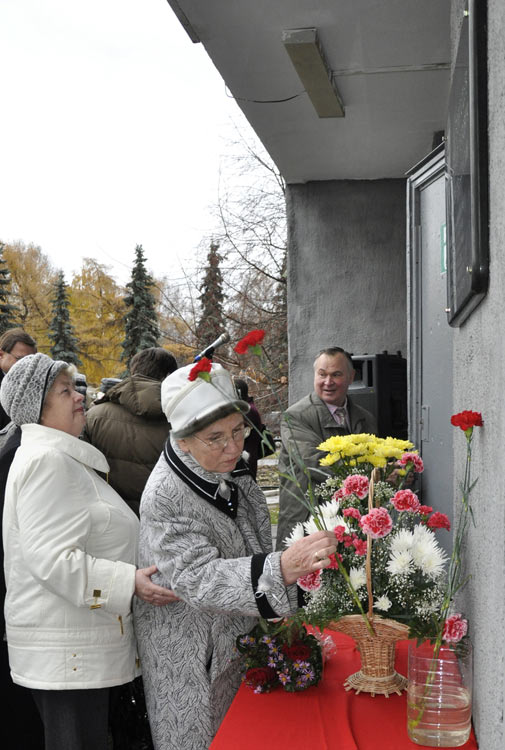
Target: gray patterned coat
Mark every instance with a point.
(191, 672)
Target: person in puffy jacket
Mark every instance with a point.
(70, 561)
(128, 425)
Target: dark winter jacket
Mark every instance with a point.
(128, 426)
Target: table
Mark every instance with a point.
(325, 717)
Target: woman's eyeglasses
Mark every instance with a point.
(220, 443)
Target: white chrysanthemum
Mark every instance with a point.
(358, 578)
(329, 512)
(310, 526)
(400, 563)
(402, 541)
(428, 555)
(432, 562)
(383, 603)
(296, 534)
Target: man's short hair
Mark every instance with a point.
(155, 363)
(332, 351)
(13, 336)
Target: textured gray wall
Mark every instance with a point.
(479, 367)
(346, 271)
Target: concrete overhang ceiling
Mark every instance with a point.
(389, 61)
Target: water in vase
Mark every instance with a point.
(438, 719)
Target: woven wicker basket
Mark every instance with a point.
(377, 674)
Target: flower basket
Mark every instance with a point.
(377, 674)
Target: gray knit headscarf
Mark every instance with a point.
(26, 385)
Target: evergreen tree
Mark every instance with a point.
(61, 331)
(7, 311)
(141, 322)
(211, 298)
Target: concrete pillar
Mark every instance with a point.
(346, 271)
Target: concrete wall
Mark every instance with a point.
(346, 271)
(479, 367)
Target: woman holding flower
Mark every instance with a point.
(205, 524)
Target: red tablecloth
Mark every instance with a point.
(325, 717)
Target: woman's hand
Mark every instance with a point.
(307, 555)
(150, 592)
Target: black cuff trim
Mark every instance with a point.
(257, 565)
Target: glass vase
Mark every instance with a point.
(439, 695)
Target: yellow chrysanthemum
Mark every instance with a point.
(330, 459)
(378, 461)
(403, 445)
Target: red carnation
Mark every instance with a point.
(439, 521)
(339, 532)
(425, 510)
(202, 368)
(351, 513)
(260, 676)
(296, 652)
(251, 339)
(467, 420)
(360, 546)
(334, 561)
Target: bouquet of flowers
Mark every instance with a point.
(280, 654)
(407, 564)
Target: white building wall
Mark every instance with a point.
(479, 369)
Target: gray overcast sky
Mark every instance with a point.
(112, 127)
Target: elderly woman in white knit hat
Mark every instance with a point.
(70, 561)
(205, 524)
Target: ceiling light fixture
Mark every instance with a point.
(307, 56)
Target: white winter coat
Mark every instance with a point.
(70, 553)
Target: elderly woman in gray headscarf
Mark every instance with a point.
(205, 524)
(70, 561)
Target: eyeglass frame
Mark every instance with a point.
(220, 444)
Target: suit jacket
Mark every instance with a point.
(306, 424)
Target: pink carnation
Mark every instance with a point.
(454, 629)
(439, 521)
(406, 500)
(352, 512)
(338, 495)
(310, 582)
(377, 523)
(412, 458)
(356, 484)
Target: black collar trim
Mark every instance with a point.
(207, 490)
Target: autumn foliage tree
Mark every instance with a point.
(32, 283)
(98, 315)
(7, 309)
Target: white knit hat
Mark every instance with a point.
(25, 386)
(190, 406)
